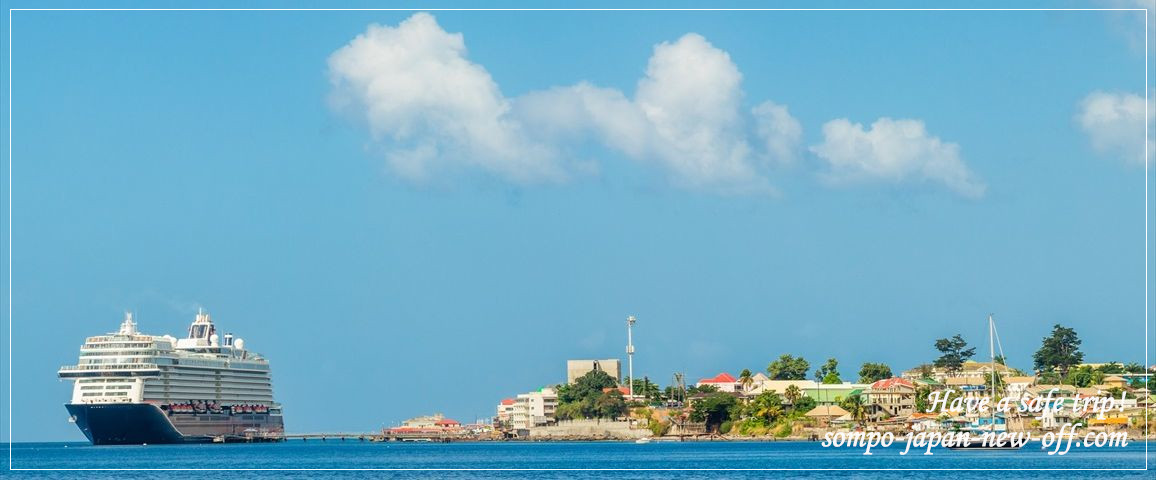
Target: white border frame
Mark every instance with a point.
(1146, 160)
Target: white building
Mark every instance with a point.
(534, 409)
(506, 410)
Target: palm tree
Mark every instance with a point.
(767, 406)
(746, 380)
(854, 405)
(792, 394)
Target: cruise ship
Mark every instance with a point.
(133, 388)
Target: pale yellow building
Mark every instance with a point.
(575, 369)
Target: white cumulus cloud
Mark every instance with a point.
(893, 151)
(431, 106)
(1114, 122)
(432, 109)
(780, 132)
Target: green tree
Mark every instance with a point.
(767, 407)
(1084, 376)
(1049, 378)
(693, 389)
(1059, 352)
(829, 367)
(873, 372)
(803, 405)
(649, 390)
(610, 405)
(787, 367)
(921, 402)
(832, 379)
(588, 385)
(580, 400)
(953, 352)
(569, 411)
(714, 409)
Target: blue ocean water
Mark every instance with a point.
(563, 456)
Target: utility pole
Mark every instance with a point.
(630, 354)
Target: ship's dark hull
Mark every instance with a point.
(138, 423)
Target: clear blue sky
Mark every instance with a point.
(168, 160)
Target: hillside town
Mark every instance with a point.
(783, 402)
(790, 401)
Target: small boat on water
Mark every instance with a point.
(994, 423)
(642, 440)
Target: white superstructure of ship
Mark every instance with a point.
(204, 387)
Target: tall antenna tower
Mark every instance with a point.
(630, 353)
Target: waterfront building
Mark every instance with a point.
(756, 383)
(968, 369)
(436, 423)
(534, 409)
(889, 398)
(1015, 386)
(425, 421)
(834, 393)
(1115, 381)
(575, 369)
(780, 386)
(967, 387)
(724, 382)
(823, 394)
(924, 422)
(505, 411)
(828, 414)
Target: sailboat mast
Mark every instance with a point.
(991, 350)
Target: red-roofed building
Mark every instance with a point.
(447, 423)
(505, 411)
(723, 381)
(888, 383)
(890, 397)
(623, 390)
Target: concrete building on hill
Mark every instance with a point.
(575, 369)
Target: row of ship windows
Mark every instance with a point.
(211, 376)
(219, 379)
(118, 345)
(102, 387)
(106, 394)
(118, 352)
(194, 392)
(217, 370)
(112, 360)
(240, 386)
(168, 365)
(230, 379)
